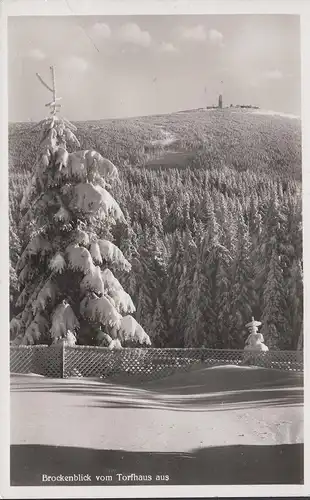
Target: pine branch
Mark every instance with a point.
(43, 83)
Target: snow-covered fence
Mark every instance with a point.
(90, 361)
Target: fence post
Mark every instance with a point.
(62, 369)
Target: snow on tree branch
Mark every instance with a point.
(113, 254)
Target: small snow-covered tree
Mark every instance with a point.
(67, 286)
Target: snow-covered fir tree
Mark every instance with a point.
(294, 306)
(274, 321)
(195, 327)
(65, 269)
(185, 290)
(174, 271)
(158, 327)
(243, 297)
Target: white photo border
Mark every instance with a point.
(144, 7)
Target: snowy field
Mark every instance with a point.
(275, 113)
(224, 425)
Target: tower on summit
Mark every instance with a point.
(220, 102)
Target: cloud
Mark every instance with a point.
(274, 74)
(36, 54)
(195, 34)
(167, 47)
(200, 34)
(132, 33)
(263, 77)
(215, 37)
(101, 30)
(130, 49)
(75, 63)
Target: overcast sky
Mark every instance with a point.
(110, 67)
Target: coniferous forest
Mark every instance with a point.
(214, 214)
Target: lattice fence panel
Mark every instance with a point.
(215, 357)
(99, 361)
(22, 358)
(40, 359)
(49, 362)
(91, 361)
(155, 363)
(279, 360)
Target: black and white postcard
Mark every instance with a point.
(154, 248)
